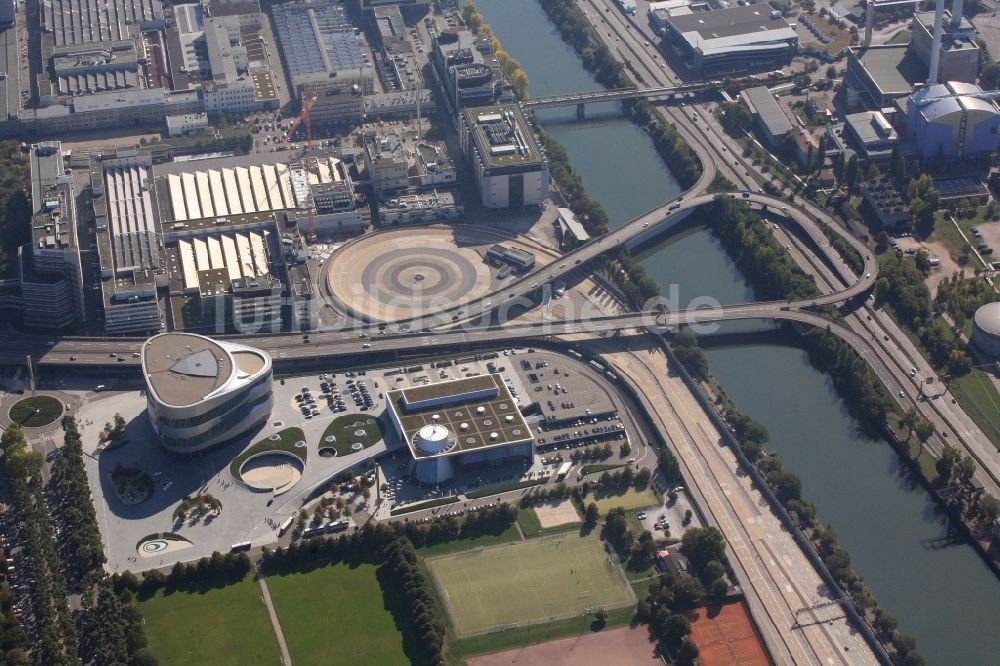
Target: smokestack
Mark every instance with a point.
(870, 21)
(932, 74)
(956, 13)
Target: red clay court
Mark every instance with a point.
(621, 647)
(726, 636)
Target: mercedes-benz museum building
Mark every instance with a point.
(202, 393)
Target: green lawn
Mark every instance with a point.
(23, 411)
(336, 615)
(530, 581)
(285, 442)
(630, 499)
(345, 429)
(221, 626)
(979, 398)
(504, 488)
(429, 504)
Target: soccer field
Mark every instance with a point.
(525, 582)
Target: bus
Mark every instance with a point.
(240, 547)
(284, 526)
(563, 471)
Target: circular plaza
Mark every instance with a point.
(403, 273)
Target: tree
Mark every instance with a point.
(471, 17)
(851, 173)
(990, 76)
(923, 430)
(13, 440)
(831, 72)
(909, 420)
(989, 508)
(821, 152)
(687, 653)
(675, 628)
(885, 623)
(143, 657)
(924, 202)
(702, 545)
(590, 518)
(946, 463)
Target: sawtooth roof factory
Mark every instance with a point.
(462, 422)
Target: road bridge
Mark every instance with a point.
(581, 99)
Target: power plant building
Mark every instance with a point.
(949, 120)
(506, 162)
(457, 423)
(986, 329)
(202, 393)
(734, 39)
(958, 57)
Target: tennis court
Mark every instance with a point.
(527, 582)
(726, 636)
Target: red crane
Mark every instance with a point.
(307, 161)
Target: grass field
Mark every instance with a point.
(23, 411)
(484, 540)
(336, 615)
(285, 442)
(226, 626)
(528, 581)
(344, 429)
(630, 499)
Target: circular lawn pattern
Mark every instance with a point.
(35, 412)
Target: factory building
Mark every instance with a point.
(958, 56)
(734, 39)
(459, 423)
(768, 117)
(127, 240)
(324, 60)
(878, 75)
(202, 393)
(868, 133)
(500, 148)
(49, 268)
(395, 163)
(467, 68)
(949, 121)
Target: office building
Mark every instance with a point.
(506, 162)
(395, 163)
(467, 69)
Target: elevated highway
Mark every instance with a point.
(580, 99)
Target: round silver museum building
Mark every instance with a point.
(201, 393)
(986, 329)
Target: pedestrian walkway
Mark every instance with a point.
(286, 658)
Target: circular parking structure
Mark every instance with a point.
(36, 412)
(402, 273)
(271, 471)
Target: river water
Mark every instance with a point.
(946, 597)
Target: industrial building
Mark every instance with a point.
(224, 55)
(734, 39)
(422, 208)
(49, 268)
(986, 329)
(127, 240)
(323, 59)
(467, 69)
(202, 393)
(395, 163)
(878, 75)
(503, 255)
(459, 423)
(951, 121)
(885, 201)
(768, 117)
(958, 55)
(868, 133)
(506, 162)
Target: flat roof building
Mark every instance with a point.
(500, 147)
(467, 69)
(459, 422)
(202, 393)
(878, 75)
(958, 59)
(767, 114)
(733, 39)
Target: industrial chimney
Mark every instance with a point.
(870, 21)
(932, 74)
(956, 13)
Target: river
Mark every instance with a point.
(945, 597)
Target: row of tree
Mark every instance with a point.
(83, 550)
(112, 631)
(14, 641)
(424, 618)
(54, 631)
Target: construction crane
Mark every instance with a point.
(307, 160)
